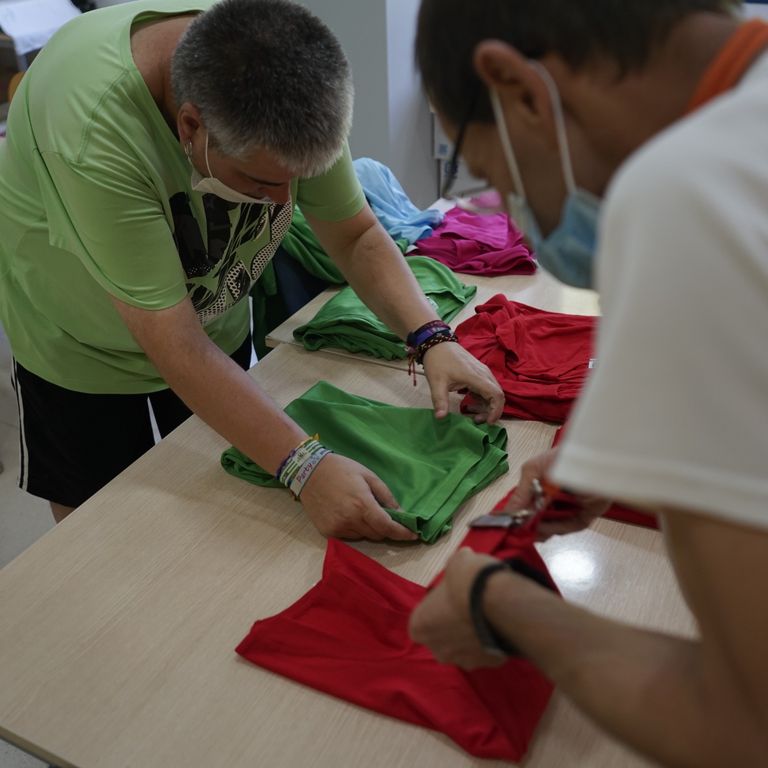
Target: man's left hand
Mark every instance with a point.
(449, 368)
(442, 621)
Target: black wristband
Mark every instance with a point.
(489, 638)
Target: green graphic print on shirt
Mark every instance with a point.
(241, 241)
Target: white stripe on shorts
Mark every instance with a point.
(23, 455)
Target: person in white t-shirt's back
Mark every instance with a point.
(630, 141)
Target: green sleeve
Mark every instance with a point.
(112, 220)
(335, 195)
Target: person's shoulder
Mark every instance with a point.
(709, 160)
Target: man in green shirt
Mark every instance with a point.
(154, 153)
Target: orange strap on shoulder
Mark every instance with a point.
(729, 66)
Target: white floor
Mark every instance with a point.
(23, 518)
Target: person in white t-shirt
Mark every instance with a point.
(650, 116)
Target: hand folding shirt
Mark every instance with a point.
(432, 466)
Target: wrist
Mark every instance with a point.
(299, 465)
(488, 634)
(423, 332)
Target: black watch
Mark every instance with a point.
(489, 638)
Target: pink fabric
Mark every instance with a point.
(478, 245)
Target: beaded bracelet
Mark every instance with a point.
(423, 332)
(416, 354)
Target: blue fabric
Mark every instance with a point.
(393, 208)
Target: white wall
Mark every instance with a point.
(756, 9)
(391, 122)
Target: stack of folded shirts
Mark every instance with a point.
(346, 323)
(479, 245)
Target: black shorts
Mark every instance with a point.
(73, 443)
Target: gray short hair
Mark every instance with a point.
(266, 74)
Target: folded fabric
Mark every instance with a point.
(619, 512)
(432, 466)
(346, 323)
(348, 636)
(391, 206)
(478, 245)
(302, 245)
(540, 359)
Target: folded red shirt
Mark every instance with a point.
(541, 359)
(348, 636)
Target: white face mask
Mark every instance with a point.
(210, 184)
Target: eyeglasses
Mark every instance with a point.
(452, 170)
(484, 200)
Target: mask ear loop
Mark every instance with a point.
(506, 145)
(207, 164)
(562, 138)
(517, 202)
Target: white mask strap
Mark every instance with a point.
(506, 144)
(207, 164)
(562, 138)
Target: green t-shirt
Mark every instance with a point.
(95, 200)
(432, 466)
(344, 322)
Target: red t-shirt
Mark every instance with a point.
(541, 359)
(348, 636)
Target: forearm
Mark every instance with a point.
(227, 399)
(662, 695)
(377, 271)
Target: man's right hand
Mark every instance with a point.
(587, 508)
(345, 500)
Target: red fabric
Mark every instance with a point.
(348, 636)
(619, 512)
(540, 359)
(478, 245)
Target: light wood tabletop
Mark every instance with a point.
(119, 626)
(540, 290)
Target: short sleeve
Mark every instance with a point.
(335, 195)
(114, 222)
(675, 411)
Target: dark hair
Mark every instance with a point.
(266, 74)
(578, 30)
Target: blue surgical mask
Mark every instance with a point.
(211, 185)
(568, 252)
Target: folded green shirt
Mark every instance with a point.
(432, 466)
(346, 323)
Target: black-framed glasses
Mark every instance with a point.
(453, 164)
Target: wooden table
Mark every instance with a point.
(539, 290)
(119, 626)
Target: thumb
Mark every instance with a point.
(380, 491)
(439, 392)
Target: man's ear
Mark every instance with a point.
(188, 122)
(522, 91)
